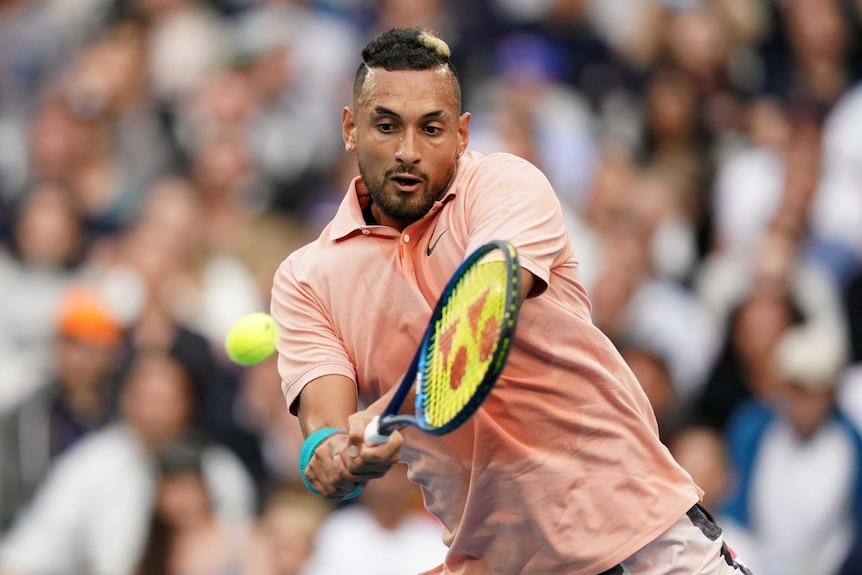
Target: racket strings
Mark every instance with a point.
(467, 337)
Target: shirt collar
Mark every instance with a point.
(349, 220)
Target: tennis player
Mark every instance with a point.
(561, 472)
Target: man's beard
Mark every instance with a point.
(405, 207)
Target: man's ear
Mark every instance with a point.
(348, 129)
(463, 132)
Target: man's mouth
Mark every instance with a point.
(406, 183)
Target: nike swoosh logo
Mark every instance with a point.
(431, 247)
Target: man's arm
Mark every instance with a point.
(341, 463)
(326, 402)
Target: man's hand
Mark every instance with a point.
(369, 461)
(343, 461)
(326, 472)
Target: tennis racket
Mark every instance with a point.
(464, 348)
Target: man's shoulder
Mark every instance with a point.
(313, 258)
(497, 166)
(480, 161)
(311, 265)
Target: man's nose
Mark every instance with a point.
(408, 150)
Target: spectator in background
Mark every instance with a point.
(188, 294)
(635, 299)
(590, 62)
(677, 148)
(296, 74)
(33, 50)
(798, 460)
(836, 211)
(284, 538)
(763, 196)
(386, 531)
(185, 280)
(631, 28)
(92, 513)
(265, 435)
(186, 535)
(186, 42)
(743, 369)
(697, 42)
(593, 226)
(112, 75)
(223, 173)
(747, 189)
(72, 143)
(78, 398)
(47, 248)
(819, 51)
(526, 109)
(777, 291)
(702, 451)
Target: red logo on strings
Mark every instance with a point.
(458, 368)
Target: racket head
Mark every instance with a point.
(468, 339)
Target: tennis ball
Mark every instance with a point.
(252, 338)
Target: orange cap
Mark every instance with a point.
(86, 318)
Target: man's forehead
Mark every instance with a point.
(407, 87)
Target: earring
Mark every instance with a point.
(348, 147)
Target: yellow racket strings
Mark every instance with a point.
(467, 337)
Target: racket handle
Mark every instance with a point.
(372, 433)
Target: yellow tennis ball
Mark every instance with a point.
(252, 338)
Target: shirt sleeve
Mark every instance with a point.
(309, 346)
(509, 198)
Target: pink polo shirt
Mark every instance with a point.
(561, 472)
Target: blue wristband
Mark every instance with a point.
(309, 446)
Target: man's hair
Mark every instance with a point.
(405, 49)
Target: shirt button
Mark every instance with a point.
(366, 232)
(406, 238)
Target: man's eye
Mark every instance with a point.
(433, 130)
(386, 127)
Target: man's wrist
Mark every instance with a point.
(306, 453)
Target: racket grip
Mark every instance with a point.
(372, 432)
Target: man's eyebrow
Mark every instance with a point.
(383, 111)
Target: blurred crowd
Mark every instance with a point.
(159, 158)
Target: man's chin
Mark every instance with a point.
(406, 213)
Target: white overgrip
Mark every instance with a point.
(372, 432)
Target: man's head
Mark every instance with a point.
(405, 49)
(405, 123)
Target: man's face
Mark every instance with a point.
(408, 136)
